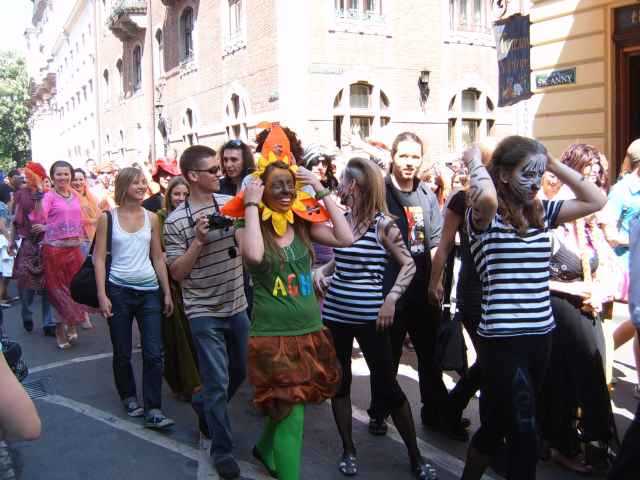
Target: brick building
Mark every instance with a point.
(175, 72)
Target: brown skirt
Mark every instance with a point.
(297, 369)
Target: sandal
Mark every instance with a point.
(348, 465)
(424, 471)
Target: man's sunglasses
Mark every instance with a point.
(213, 170)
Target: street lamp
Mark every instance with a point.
(423, 85)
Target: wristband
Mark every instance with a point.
(322, 193)
(251, 204)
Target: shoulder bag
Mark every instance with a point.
(83, 285)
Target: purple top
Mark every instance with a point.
(62, 216)
(25, 201)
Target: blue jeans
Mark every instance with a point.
(146, 307)
(221, 344)
(26, 300)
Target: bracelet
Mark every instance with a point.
(251, 204)
(322, 193)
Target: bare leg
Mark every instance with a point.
(623, 334)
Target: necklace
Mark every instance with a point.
(66, 197)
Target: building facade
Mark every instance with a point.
(170, 73)
(594, 48)
(62, 65)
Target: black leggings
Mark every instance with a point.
(386, 394)
(471, 381)
(513, 370)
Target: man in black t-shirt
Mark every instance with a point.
(418, 216)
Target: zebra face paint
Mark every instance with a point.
(526, 179)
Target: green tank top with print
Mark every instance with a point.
(284, 302)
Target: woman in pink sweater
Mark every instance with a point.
(60, 218)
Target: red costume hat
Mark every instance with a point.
(166, 166)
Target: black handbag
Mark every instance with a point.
(13, 355)
(83, 286)
(451, 350)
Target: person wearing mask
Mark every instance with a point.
(237, 163)
(510, 241)
(291, 356)
(200, 246)
(137, 285)
(355, 307)
(419, 218)
(27, 267)
(162, 175)
(180, 361)
(59, 217)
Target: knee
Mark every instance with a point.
(344, 389)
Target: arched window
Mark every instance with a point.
(360, 109)
(236, 118)
(106, 87)
(186, 34)
(137, 67)
(469, 111)
(189, 123)
(120, 77)
(159, 63)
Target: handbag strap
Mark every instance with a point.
(107, 261)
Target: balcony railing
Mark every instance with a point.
(128, 18)
(358, 15)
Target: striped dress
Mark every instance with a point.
(355, 294)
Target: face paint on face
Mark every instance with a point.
(279, 190)
(527, 178)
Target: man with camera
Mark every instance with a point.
(202, 256)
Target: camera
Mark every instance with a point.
(217, 221)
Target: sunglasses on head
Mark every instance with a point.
(234, 143)
(213, 170)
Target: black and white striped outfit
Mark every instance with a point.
(515, 276)
(355, 294)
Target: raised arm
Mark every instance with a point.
(452, 223)
(338, 234)
(392, 240)
(482, 193)
(589, 198)
(249, 238)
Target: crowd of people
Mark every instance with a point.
(267, 261)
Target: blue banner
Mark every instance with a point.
(514, 59)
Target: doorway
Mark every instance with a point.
(627, 83)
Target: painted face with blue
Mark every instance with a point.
(527, 178)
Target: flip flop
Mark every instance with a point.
(348, 465)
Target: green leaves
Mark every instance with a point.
(15, 148)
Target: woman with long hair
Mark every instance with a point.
(137, 285)
(59, 217)
(180, 364)
(292, 360)
(355, 308)
(89, 207)
(27, 267)
(583, 278)
(510, 241)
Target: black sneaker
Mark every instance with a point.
(377, 427)
(228, 469)
(156, 420)
(133, 407)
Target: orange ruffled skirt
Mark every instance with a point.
(296, 369)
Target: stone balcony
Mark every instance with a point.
(128, 18)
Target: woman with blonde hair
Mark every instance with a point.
(136, 285)
(356, 308)
(180, 360)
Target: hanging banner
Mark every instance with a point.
(514, 59)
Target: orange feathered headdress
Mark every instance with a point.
(276, 148)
